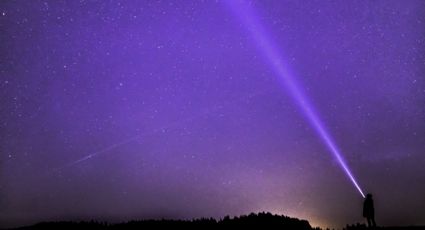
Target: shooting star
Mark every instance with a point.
(204, 112)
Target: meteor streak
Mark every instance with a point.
(270, 52)
(202, 113)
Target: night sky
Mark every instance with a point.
(119, 110)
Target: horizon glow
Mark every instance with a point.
(129, 110)
(268, 49)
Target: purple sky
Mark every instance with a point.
(120, 110)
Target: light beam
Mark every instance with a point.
(270, 52)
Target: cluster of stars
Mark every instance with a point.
(150, 109)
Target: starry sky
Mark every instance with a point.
(118, 110)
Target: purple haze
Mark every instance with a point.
(118, 110)
(271, 54)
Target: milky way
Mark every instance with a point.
(118, 110)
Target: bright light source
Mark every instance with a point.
(270, 52)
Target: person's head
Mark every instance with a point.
(369, 196)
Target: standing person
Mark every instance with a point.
(369, 211)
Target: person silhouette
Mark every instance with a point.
(369, 211)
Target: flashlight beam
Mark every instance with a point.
(270, 52)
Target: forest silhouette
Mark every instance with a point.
(262, 220)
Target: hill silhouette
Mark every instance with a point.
(262, 220)
(256, 221)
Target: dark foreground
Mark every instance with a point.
(251, 221)
(364, 227)
(257, 221)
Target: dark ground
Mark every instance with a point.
(251, 221)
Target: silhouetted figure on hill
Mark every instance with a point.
(369, 211)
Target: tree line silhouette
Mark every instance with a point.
(256, 221)
(262, 220)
